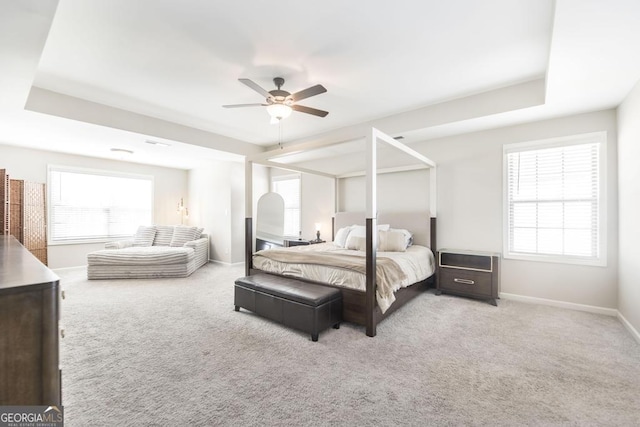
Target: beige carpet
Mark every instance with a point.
(175, 353)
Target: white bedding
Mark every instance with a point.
(417, 263)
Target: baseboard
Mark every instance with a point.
(562, 304)
(229, 264)
(629, 326)
(68, 268)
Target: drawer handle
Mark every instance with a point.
(62, 333)
(63, 295)
(464, 281)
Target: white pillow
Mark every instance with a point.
(182, 234)
(361, 230)
(356, 243)
(392, 241)
(164, 233)
(408, 237)
(144, 236)
(198, 234)
(341, 236)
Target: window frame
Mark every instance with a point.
(91, 171)
(586, 138)
(287, 177)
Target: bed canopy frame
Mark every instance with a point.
(372, 139)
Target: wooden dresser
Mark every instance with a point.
(29, 315)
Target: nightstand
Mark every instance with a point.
(296, 242)
(469, 273)
(262, 244)
(301, 242)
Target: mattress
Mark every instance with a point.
(416, 264)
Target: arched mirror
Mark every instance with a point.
(270, 221)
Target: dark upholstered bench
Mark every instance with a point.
(305, 306)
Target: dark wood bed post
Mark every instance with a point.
(248, 246)
(248, 217)
(370, 295)
(371, 213)
(433, 242)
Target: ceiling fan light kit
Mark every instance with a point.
(281, 103)
(279, 111)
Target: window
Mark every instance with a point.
(87, 205)
(555, 200)
(289, 188)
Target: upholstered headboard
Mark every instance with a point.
(418, 223)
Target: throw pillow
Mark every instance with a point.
(341, 237)
(198, 233)
(182, 234)
(144, 236)
(356, 243)
(391, 241)
(164, 233)
(408, 237)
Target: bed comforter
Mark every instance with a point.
(327, 263)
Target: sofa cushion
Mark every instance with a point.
(182, 234)
(164, 233)
(198, 235)
(152, 255)
(144, 236)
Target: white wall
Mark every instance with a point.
(31, 165)
(402, 191)
(470, 208)
(629, 207)
(210, 196)
(317, 202)
(238, 212)
(217, 194)
(470, 205)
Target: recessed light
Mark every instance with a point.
(158, 143)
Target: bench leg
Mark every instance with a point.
(237, 308)
(336, 326)
(314, 337)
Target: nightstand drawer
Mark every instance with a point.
(465, 281)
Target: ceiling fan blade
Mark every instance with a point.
(256, 87)
(244, 105)
(309, 110)
(308, 92)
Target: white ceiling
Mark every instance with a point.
(125, 71)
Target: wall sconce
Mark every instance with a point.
(183, 211)
(317, 231)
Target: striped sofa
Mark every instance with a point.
(154, 252)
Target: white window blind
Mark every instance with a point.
(554, 206)
(289, 188)
(94, 205)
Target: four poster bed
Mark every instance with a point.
(375, 273)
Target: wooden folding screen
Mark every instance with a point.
(15, 206)
(23, 213)
(34, 220)
(4, 202)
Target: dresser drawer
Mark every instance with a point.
(466, 281)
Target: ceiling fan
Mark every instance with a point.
(280, 103)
